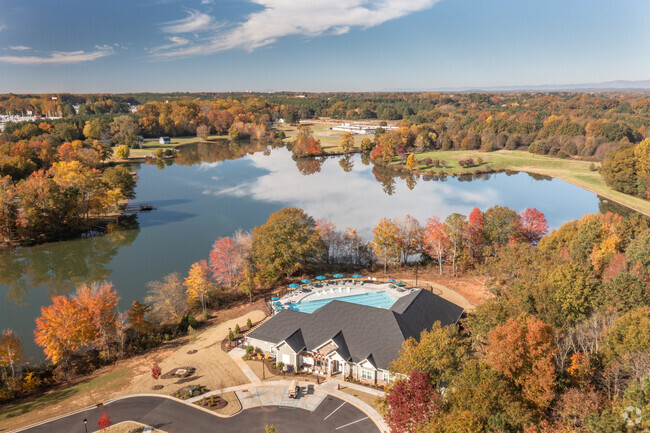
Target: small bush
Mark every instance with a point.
(249, 323)
(280, 365)
(237, 329)
(122, 151)
(250, 349)
(159, 153)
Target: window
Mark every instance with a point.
(386, 377)
(366, 374)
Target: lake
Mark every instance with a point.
(210, 190)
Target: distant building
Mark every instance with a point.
(165, 140)
(359, 129)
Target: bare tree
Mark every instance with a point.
(167, 298)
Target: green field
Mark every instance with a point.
(573, 171)
(151, 144)
(329, 140)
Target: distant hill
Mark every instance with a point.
(620, 85)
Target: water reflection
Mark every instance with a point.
(60, 266)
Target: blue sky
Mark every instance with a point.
(318, 45)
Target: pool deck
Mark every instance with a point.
(332, 289)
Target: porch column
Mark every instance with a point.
(329, 368)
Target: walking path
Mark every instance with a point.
(236, 355)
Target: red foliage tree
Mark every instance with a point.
(533, 225)
(224, 261)
(411, 403)
(474, 236)
(104, 421)
(155, 371)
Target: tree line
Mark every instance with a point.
(563, 344)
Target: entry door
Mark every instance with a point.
(335, 366)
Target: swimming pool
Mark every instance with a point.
(371, 299)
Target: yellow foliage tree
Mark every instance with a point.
(198, 283)
(412, 162)
(347, 142)
(386, 241)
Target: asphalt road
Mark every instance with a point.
(332, 415)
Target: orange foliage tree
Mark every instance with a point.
(522, 349)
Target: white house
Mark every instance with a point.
(164, 140)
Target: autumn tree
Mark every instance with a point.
(198, 284)
(96, 128)
(455, 227)
(125, 130)
(522, 349)
(62, 329)
(411, 403)
(474, 238)
(500, 224)
(229, 258)
(410, 233)
(306, 144)
(438, 352)
(533, 225)
(99, 302)
(284, 245)
(347, 142)
(167, 298)
(11, 353)
(119, 177)
(330, 236)
(137, 317)
(203, 132)
(435, 240)
(122, 151)
(412, 162)
(386, 241)
(155, 371)
(104, 421)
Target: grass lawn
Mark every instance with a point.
(570, 170)
(95, 389)
(151, 144)
(126, 427)
(329, 139)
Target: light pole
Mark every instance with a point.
(86, 425)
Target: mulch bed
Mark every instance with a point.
(192, 352)
(157, 387)
(209, 403)
(190, 391)
(171, 374)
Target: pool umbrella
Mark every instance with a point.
(338, 275)
(275, 298)
(279, 308)
(320, 277)
(294, 285)
(391, 280)
(305, 281)
(277, 303)
(400, 284)
(357, 276)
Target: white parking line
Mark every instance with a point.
(353, 422)
(332, 413)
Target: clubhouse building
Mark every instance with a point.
(349, 339)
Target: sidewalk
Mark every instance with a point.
(236, 355)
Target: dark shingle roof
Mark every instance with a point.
(360, 331)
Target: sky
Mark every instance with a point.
(93, 46)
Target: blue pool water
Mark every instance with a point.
(373, 299)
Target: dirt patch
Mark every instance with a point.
(363, 396)
(126, 427)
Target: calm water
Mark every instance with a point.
(238, 187)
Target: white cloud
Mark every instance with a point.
(206, 2)
(175, 42)
(280, 18)
(60, 57)
(194, 22)
(19, 48)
